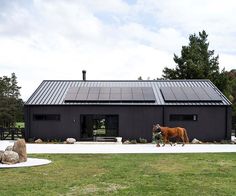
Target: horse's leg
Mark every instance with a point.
(164, 140)
(182, 138)
(158, 143)
(176, 141)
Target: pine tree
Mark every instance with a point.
(197, 61)
(10, 103)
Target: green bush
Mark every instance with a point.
(142, 140)
(133, 141)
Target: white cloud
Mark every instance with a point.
(227, 61)
(49, 39)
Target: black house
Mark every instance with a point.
(128, 109)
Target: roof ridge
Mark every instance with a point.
(159, 80)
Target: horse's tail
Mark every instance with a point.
(185, 136)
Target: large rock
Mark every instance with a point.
(10, 157)
(1, 154)
(9, 148)
(70, 140)
(196, 141)
(20, 148)
(38, 141)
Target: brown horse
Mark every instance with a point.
(167, 133)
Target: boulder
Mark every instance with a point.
(126, 142)
(10, 157)
(196, 141)
(20, 148)
(1, 154)
(38, 141)
(9, 148)
(70, 140)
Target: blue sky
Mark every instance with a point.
(111, 39)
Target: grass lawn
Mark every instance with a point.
(124, 174)
(20, 125)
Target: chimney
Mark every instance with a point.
(84, 75)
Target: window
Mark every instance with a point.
(183, 117)
(47, 117)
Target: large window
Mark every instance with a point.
(183, 117)
(47, 117)
(99, 125)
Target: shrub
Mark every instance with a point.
(142, 140)
(133, 142)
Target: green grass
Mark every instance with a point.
(124, 174)
(20, 125)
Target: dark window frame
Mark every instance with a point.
(183, 117)
(46, 117)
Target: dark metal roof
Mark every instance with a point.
(53, 92)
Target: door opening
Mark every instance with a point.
(98, 126)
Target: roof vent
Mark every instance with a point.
(84, 75)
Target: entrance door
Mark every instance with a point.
(98, 125)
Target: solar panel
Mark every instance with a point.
(179, 94)
(167, 94)
(81, 96)
(212, 94)
(92, 97)
(136, 90)
(70, 96)
(105, 90)
(148, 94)
(115, 90)
(149, 97)
(73, 90)
(115, 97)
(126, 90)
(138, 97)
(189, 94)
(199, 91)
(94, 90)
(83, 89)
(110, 94)
(126, 96)
(147, 90)
(104, 97)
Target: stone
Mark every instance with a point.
(38, 141)
(70, 140)
(196, 141)
(9, 148)
(20, 148)
(10, 157)
(126, 142)
(1, 154)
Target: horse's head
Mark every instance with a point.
(156, 128)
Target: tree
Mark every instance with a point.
(232, 97)
(140, 78)
(198, 62)
(11, 106)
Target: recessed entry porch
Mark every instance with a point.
(96, 126)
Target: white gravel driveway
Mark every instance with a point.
(84, 148)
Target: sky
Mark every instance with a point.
(110, 39)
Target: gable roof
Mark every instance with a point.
(53, 92)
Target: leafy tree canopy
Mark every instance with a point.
(11, 106)
(197, 61)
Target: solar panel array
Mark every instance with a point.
(110, 94)
(190, 94)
